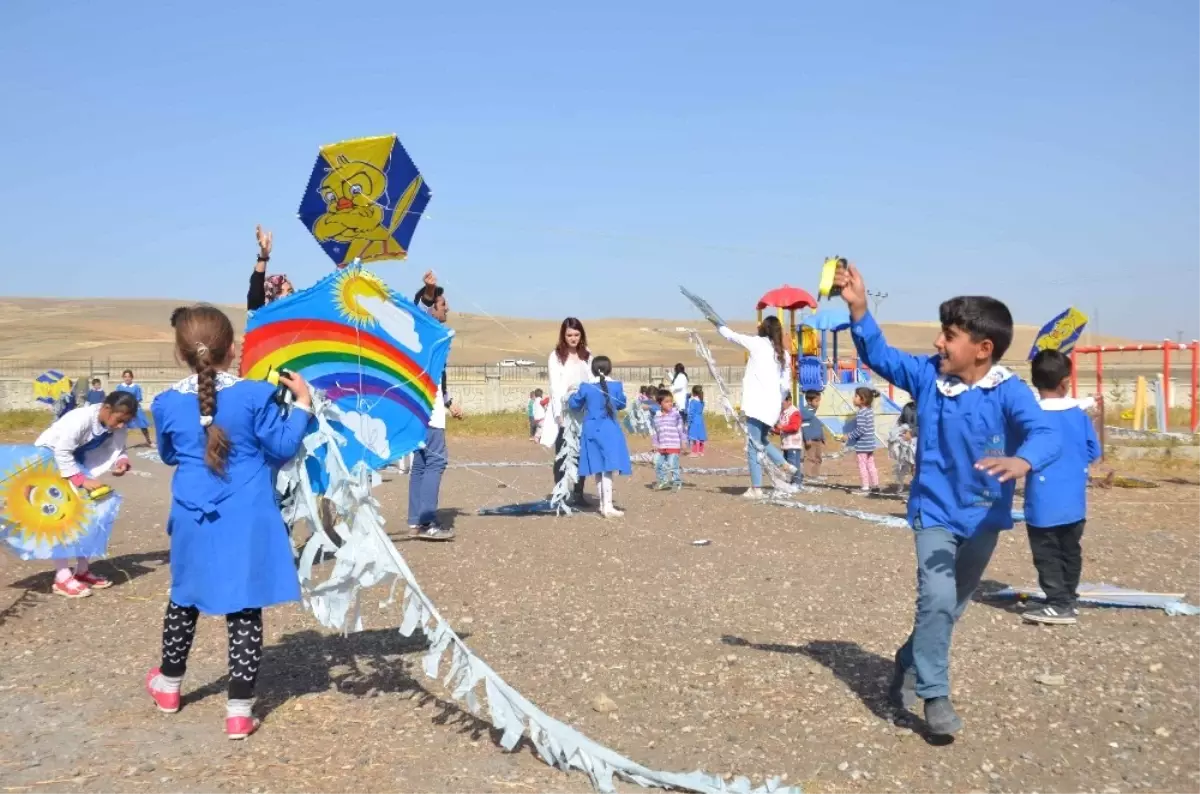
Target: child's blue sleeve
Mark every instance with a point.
(1026, 419)
(576, 401)
(617, 394)
(1095, 451)
(280, 436)
(903, 369)
(165, 447)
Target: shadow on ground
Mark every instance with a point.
(866, 674)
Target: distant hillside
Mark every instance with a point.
(137, 330)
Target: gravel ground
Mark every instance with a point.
(766, 652)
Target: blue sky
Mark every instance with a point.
(585, 159)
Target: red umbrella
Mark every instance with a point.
(787, 297)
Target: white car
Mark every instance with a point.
(508, 362)
(524, 362)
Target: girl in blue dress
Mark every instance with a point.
(602, 447)
(697, 431)
(230, 553)
(138, 422)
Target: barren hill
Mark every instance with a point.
(47, 329)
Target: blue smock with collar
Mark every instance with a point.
(229, 545)
(961, 424)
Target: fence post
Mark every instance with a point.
(491, 390)
(1166, 389)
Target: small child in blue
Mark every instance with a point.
(602, 448)
(696, 429)
(1056, 496)
(981, 430)
(230, 553)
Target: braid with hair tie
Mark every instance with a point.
(608, 406)
(216, 450)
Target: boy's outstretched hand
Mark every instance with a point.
(853, 290)
(1004, 469)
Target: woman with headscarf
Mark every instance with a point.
(263, 288)
(569, 366)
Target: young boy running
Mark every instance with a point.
(981, 430)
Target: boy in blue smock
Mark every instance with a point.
(1056, 496)
(981, 430)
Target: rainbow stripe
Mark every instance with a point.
(341, 360)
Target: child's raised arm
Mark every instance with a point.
(905, 370)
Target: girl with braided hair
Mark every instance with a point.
(602, 448)
(230, 553)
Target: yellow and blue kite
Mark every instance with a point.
(1061, 333)
(364, 200)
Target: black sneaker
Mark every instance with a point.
(1052, 615)
(436, 533)
(902, 693)
(941, 718)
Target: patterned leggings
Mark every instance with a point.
(245, 646)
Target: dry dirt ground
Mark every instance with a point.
(767, 651)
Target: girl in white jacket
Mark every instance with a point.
(768, 377)
(569, 366)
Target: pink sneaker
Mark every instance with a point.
(238, 728)
(71, 588)
(167, 702)
(92, 580)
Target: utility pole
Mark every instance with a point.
(876, 299)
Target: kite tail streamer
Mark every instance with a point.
(368, 557)
(569, 459)
(637, 419)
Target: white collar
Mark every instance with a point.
(1065, 403)
(188, 385)
(952, 385)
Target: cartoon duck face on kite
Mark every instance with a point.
(41, 507)
(353, 213)
(351, 206)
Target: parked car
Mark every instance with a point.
(524, 362)
(508, 362)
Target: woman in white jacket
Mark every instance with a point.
(569, 366)
(768, 377)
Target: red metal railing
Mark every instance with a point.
(1166, 346)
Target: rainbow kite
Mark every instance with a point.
(375, 355)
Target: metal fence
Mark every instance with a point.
(110, 368)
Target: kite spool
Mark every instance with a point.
(828, 270)
(96, 494)
(281, 391)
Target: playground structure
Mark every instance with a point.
(1163, 380)
(816, 365)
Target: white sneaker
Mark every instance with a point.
(753, 493)
(611, 512)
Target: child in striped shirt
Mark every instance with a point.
(861, 437)
(668, 436)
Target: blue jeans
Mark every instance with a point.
(796, 458)
(425, 480)
(668, 464)
(949, 568)
(760, 432)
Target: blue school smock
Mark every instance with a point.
(602, 447)
(138, 422)
(695, 420)
(229, 546)
(1057, 494)
(960, 424)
